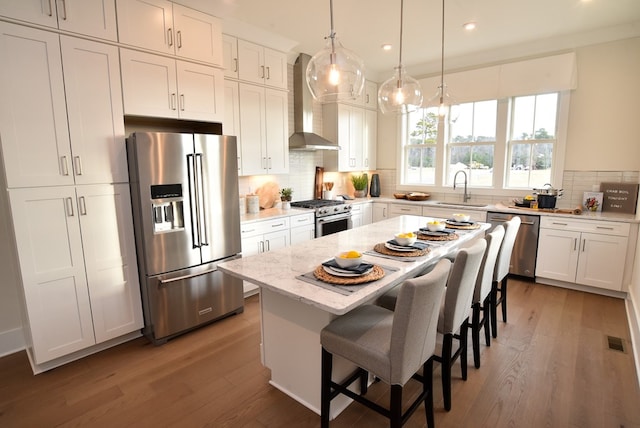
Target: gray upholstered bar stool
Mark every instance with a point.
(501, 273)
(481, 303)
(454, 312)
(392, 346)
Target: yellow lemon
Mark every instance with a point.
(529, 198)
(434, 222)
(350, 255)
(406, 235)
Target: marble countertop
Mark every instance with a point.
(277, 270)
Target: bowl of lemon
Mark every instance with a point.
(406, 239)
(435, 226)
(461, 217)
(349, 259)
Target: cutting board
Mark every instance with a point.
(269, 194)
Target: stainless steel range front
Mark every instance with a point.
(331, 216)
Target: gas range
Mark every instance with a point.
(324, 207)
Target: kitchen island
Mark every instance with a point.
(294, 311)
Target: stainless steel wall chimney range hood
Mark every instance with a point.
(303, 138)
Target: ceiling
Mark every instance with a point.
(506, 28)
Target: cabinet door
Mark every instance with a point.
(253, 129)
(94, 107)
(251, 62)
(52, 268)
(230, 56)
(277, 131)
(303, 234)
(33, 116)
(197, 35)
(148, 84)
(380, 211)
(356, 139)
(557, 256)
(396, 210)
(370, 139)
(110, 259)
(42, 12)
(367, 214)
(146, 24)
(601, 262)
(356, 220)
(275, 64)
(91, 17)
(276, 240)
(231, 122)
(344, 138)
(370, 98)
(201, 92)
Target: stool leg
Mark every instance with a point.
(325, 388)
(503, 298)
(427, 385)
(463, 347)
(446, 370)
(486, 308)
(395, 407)
(494, 309)
(475, 334)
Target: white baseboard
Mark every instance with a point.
(11, 341)
(633, 315)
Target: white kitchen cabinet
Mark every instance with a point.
(361, 214)
(78, 267)
(45, 141)
(370, 139)
(170, 28)
(370, 95)
(264, 130)
(380, 211)
(230, 56)
(262, 65)
(589, 253)
(158, 86)
(344, 124)
(303, 228)
(445, 213)
(231, 122)
(396, 210)
(95, 18)
(262, 236)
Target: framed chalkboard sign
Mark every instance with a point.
(619, 197)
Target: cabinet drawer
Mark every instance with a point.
(266, 226)
(302, 220)
(593, 226)
(399, 209)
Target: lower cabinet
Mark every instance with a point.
(589, 253)
(77, 261)
(380, 211)
(361, 214)
(439, 212)
(303, 228)
(262, 236)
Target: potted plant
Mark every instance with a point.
(360, 183)
(285, 197)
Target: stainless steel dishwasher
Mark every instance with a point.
(523, 258)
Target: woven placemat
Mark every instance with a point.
(463, 227)
(322, 275)
(449, 237)
(382, 249)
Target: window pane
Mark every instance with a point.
(423, 126)
(519, 171)
(545, 117)
(420, 165)
(542, 154)
(481, 166)
(484, 121)
(459, 158)
(462, 128)
(523, 113)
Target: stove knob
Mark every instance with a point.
(336, 209)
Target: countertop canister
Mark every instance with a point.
(253, 204)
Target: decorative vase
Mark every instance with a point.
(360, 193)
(374, 190)
(286, 203)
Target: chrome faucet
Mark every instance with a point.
(466, 195)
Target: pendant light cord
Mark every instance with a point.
(401, 16)
(442, 59)
(332, 35)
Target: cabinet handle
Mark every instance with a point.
(50, 9)
(77, 165)
(269, 166)
(584, 243)
(170, 37)
(82, 206)
(277, 225)
(179, 38)
(261, 246)
(182, 102)
(262, 66)
(235, 65)
(268, 73)
(268, 246)
(248, 231)
(69, 207)
(64, 10)
(604, 227)
(559, 224)
(173, 101)
(64, 165)
(575, 244)
(367, 99)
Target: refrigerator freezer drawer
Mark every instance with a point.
(183, 300)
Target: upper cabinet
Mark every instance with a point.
(230, 56)
(95, 18)
(170, 28)
(258, 64)
(158, 86)
(370, 95)
(59, 128)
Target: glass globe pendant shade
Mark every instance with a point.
(446, 104)
(335, 73)
(400, 94)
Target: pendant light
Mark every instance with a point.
(401, 93)
(443, 99)
(335, 73)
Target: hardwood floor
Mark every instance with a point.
(549, 367)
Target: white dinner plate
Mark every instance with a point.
(341, 272)
(399, 248)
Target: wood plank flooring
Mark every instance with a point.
(549, 367)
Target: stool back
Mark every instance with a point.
(488, 265)
(504, 256)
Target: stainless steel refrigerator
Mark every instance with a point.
(184, 191)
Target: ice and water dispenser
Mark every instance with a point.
(167, 207)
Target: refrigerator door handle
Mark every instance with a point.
(183, 277)
(202, 202)
(193, 203)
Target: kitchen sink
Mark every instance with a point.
(462, 204)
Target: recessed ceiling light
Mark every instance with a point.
(471, 25)
(386, 47)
